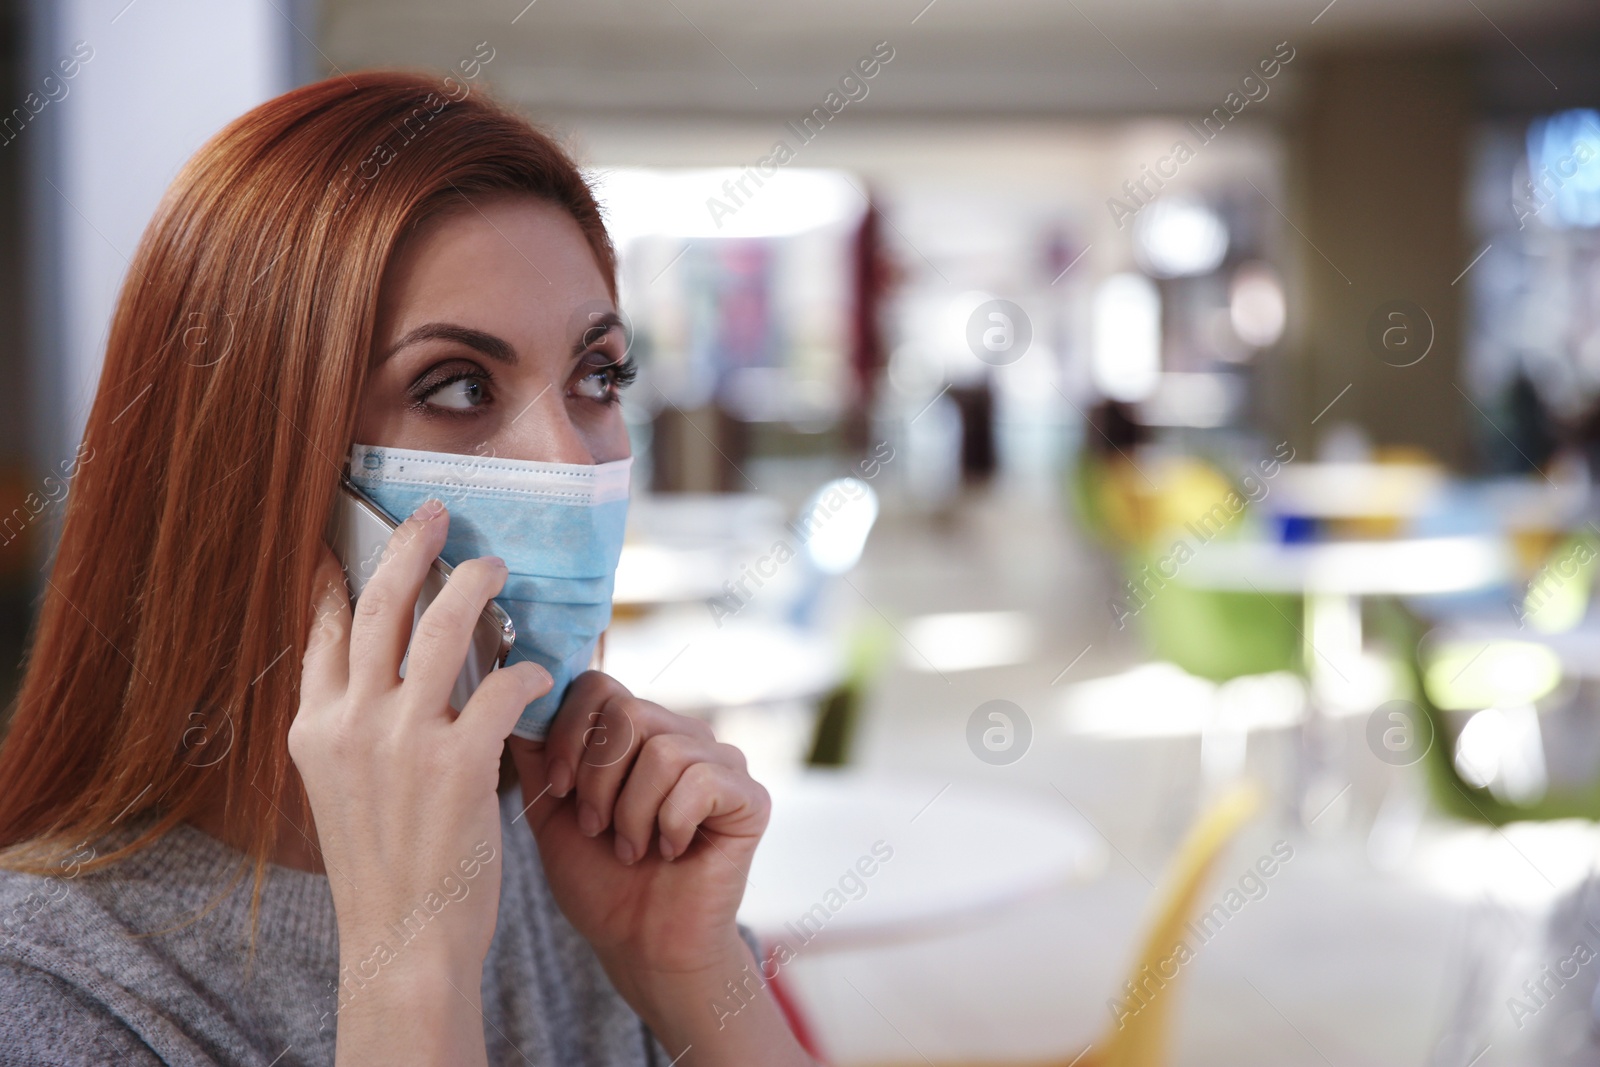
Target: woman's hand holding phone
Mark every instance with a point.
(403, 793)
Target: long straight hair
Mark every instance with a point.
(163, 670)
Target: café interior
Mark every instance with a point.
(1125, 474)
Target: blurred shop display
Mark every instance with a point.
(790, 321)
(1533, 342)
(754, 304)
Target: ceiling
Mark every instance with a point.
(738, 58)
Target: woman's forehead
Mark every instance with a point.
(519, 265)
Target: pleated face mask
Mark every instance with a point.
(558, 526)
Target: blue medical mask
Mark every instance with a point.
(558, 526)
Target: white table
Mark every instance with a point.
(683, 660)
(1356, 490)
(1400, 566)
(959, 851)
(652, 574)
(1334, 575)
(682, 547)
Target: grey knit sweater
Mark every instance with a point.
(77, 986)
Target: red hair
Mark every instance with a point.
(178, 605)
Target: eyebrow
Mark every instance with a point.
(487, 343)
(494, 347)
(603, 324)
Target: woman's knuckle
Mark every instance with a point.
(760, 799)
(673, 821)
(435, 627)
(297, 740)
(660, 750)
(614, 690)
(485, 573)
(373, 603)
(699, 775)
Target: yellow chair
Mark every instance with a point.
(1142, 1039)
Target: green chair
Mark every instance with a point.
(1211, 634)
(1221, 635)
(869, 648)
(1426, 675)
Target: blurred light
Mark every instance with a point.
(1190, 399)
(1359, 490)
(1256, 701)
(1178, 236)
(1151, 700)
(835, 524)
(680, 657)
(1161, 699)
(969, 640)
(949, 339)
(1256, 305)
(1467, 675)
(655, 573)
(1525, 864)
(1362, 681)
(1126, 358)
(1566, 605)
(1502, 750)
(1564, 167)
(709, 203)
(1354, 567)
(1243, 704)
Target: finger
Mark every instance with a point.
(660, 764)
(443, 635)
(325, 668)
(381, 624)
(529, 757)
(579, 720)
(611, 748)
(715, 798)
(495, 706)
(575, 738)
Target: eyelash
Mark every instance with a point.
(622, 375)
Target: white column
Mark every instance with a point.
(153, 80)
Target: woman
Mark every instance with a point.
(387, 262)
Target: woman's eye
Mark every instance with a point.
(459, 395)
(597, 385)
(605, 381)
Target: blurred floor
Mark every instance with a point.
(1347, 968)
(1356, 964)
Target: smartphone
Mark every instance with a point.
(359, 531)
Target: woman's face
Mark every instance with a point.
(496, 336)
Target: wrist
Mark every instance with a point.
(415, 1014)
(416, 969)
(717, 1012)
(646, 984)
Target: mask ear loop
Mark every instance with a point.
(344, 473)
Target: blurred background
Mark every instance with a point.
(1123, 472)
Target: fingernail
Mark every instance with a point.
(428, 509)
(560, 777)
(588, 819)
(668, 853)
(625, 850)
(497, 561)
